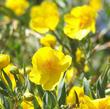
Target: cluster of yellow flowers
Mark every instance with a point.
(44, 17)
(48, 63)
(79, 22)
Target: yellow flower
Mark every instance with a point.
(96, 4)
(103, 103)
(44, 17)
(84, 101)
(18, 6)
(48, 40)
(79, 22)
(10, 75)
(79, 55)
(48, 67)
(71, 98)
(4, 60)
(27, 105)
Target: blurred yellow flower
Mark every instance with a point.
(96, 4)
(79, 22)
(79, 55)
(44, 17)
(18, 6)
(71, 74)
(48, 40)
(48, 66)
(10, 75)
(86, 68)
(27, 105)
(4, 60)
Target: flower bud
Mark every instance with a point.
(4, 60)
(86, 68)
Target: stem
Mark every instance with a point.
(60, 41)
(15, 104)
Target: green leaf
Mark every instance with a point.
(2, 85)
(86, 86)
(6, 103)
(40, 90)
(49, 101)
(102, 82)
(3, 92)
(6, 11)
(61, 92)
(36, 104)
(4, 88)
(100, 90)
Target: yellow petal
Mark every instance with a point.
(27, 105)
(37, 25)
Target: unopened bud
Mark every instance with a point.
(86, 68)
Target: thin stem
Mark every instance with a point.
(60, 41)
